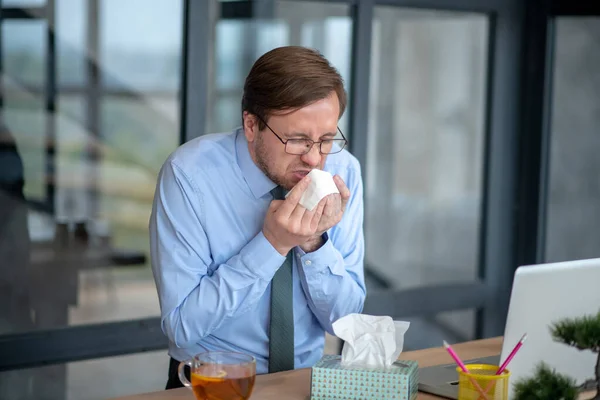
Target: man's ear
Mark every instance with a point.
(250, 126)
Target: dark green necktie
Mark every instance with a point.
(281, 328)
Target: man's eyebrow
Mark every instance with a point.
(297, 135)
(330, 135)
(301, 135)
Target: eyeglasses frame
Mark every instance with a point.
(307, 140)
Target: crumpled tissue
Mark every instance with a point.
(369, 340)
(321, 184)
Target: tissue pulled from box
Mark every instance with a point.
(373, 341)
(321, 184)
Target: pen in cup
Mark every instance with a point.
(508, 360)
(512, 354)
(464, 368)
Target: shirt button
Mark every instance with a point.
(307, 262)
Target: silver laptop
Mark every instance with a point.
(540, 295)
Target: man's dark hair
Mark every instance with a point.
(289, 78)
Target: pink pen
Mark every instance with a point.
(456, 357)
(464, 368)
(508, 359)
(511, 355)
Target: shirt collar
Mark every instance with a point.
(256, 179)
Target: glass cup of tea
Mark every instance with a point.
(220, 375)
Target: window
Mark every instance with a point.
(573, 208)
(425, 144)
(83, 257)
(425, 153)
(238, 43)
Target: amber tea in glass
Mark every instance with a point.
(220, 375)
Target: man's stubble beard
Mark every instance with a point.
(262, 156)
(261, 159)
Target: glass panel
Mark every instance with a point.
(72, 137)
(224, 108)
(238, 43)
(71, 33)
(574, 189)
(25, 52)
(129, 122)
(425, 146)
(71, 108)
(84, 258)
(452, 326)
(457, 325)
(24, 115)
(100, 379)
(140, 44)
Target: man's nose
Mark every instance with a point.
(313, 157)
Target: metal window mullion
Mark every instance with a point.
(50, 106)
(198, 41)
(93, 102)
(575, 8)
(76, 343)
(546, 141)
(362, 25)
(534, 131)
(487, 150)
(427, 300)
(1, 64)
(325, 1)
(479, 6)
(102, 91)
(480, 313)
(25, 13)
(501, 180)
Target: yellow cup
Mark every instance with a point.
(482, 383)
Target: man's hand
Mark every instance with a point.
(333, 211)
(288, 224)
(334, 207)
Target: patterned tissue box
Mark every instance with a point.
(330, 380)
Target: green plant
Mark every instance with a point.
(582, 333)
(546, 384)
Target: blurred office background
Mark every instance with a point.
(476, 123)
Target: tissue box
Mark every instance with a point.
(331, 380)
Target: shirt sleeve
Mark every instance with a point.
(193, 302)
(332, 277)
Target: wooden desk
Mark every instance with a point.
(296, 384)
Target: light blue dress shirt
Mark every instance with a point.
(213, 266)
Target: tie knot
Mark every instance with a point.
(278, 193)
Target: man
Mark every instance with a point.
(237, 266)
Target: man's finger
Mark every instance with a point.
(344, 191)
(275, 204)
(336, 203)
(295, 218)
(307, 216)
(329, 206)
(314, 224)
(294, 196)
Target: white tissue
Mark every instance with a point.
(373, 341)
(321, 184)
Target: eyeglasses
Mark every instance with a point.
(303, 146)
